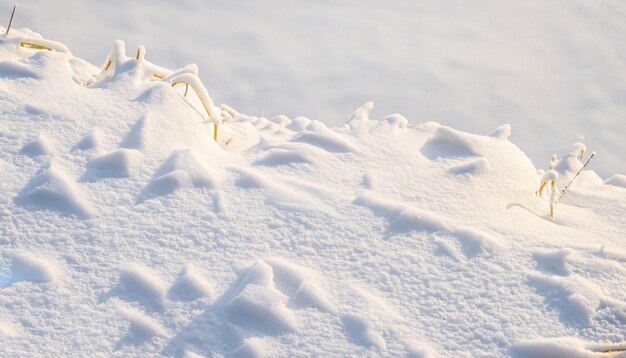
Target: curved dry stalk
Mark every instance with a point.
(44, 44)
(191, 80)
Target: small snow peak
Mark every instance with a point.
(550, 175)
(116, 164)
(52, 189)
(40, 146)
(91, 140)
(503, 132)
(27, 267)
(362, 113)
(397, 120)
(579, 150)
(299, 123)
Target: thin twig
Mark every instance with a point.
(10, 21)
(593, 154)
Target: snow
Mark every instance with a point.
(553, 71)
(617, 180)
(190, 285)
(136, 233)
(51, 188)
(39, 146)
(27, 267)
(358, 330)
(119, 163)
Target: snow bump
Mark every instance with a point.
(618, 180)
(116, 164)
(91, 140)
(140, 284)
(190, 285)
(52, 189)
(142, 327)
(28, 267)
(360, 331)
(40, 146)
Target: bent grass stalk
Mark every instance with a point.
(35, 46)
(215, 127)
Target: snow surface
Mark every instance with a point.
(135, 233)
(554, 70)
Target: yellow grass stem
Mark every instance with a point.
(203, 104)
(28, 44)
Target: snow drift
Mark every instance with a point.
(380, 237)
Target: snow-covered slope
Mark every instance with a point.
(555, 70)
(125, 229)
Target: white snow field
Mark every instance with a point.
(553, 69)
(127, 230)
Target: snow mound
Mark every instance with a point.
(553, 261)
(402, 218)
(281, 120)
(91, 140)
(503, 132)
(327, 140)
(424, 236)
(140, 284)
(472, 167)
(27, 267)
(577, 299)
(298, 124)
(397, 120)
(277, 157)
(280, 194)
(138, 137)
(258, 305)
(142, 328)
(119, 163)
(416, 349)
(251, 348)
(190, 285)
(187, 161)
(362, 113)
(447, 142)
(617, 180)
(476, 241)
(16, 69)
(52, 189)
(262, 310)
(302, 284)
(40, 146)
(360, 332)
(182, 169)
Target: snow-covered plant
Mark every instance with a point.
(44, 44)
(187, 77)
(554, 161)
(551, 176)
(570, 163)
(554, 198)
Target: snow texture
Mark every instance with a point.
(138, 234)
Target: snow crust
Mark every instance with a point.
(138, 234)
